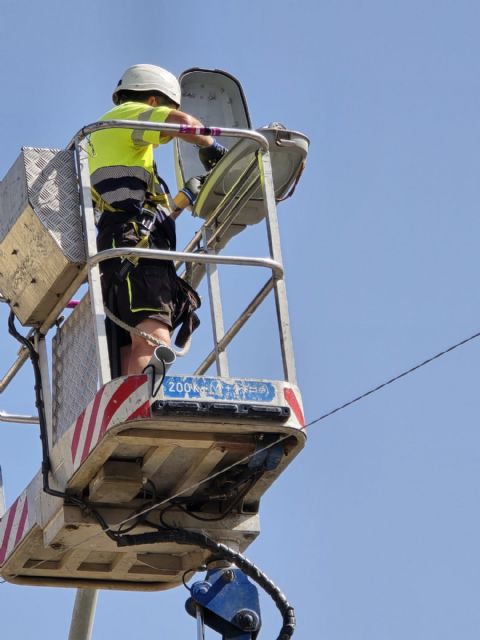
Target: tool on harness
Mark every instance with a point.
(144, 225)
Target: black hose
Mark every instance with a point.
(40, 405)
(181, 536)
(112, 332)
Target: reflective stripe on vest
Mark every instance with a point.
(121, 187)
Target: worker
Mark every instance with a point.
(130, 201)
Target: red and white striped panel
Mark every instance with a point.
(13, 526)
(118, 401)
(294, 404)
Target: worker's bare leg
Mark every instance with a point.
(124, 358)
(141, 350)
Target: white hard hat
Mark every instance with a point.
(145, 77)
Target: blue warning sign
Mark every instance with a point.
(217, 389)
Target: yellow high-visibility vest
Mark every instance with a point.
(121, 160)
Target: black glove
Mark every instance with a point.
(192, 188)
(209, 156)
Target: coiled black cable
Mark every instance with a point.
(181, 536)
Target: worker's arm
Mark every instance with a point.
(210, 151)
(179, 117)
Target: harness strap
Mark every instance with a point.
(153, 197)
(100, 204)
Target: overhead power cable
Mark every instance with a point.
(400, 375)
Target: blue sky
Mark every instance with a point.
(373, 532)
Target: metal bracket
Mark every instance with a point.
(229, 603)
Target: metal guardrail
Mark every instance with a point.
(162, 254)
(20, 419)
(166, 128)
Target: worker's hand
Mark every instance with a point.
(192, 188)
(209, 156)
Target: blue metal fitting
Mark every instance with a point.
(229, 604)
(200, 588)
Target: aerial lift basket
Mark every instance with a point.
(197, 452)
